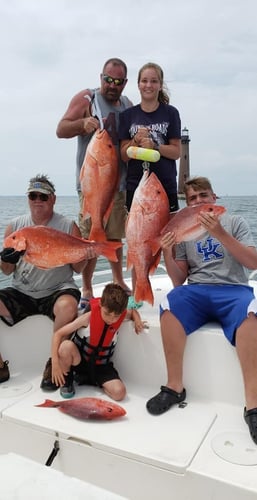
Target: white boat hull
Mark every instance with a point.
(202, 450)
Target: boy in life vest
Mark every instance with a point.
(87, 355)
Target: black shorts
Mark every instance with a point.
(21, 305)
(94, 375)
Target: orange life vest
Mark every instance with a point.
(100, 346)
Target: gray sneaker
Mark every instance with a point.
(67, 390)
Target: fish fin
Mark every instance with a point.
(156, 262)
(108, 213)
(129, 261)
(143, 292)
(154, 245)
(108, 249)
(48, 404)
(21, 245)
(85, 212)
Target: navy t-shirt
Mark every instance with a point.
(163, 124)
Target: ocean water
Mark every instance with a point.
(12, 206)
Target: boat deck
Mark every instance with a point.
(202, 449)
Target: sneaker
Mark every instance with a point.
(46, 382)
(4, 372)
(84, 305)
(67, 390)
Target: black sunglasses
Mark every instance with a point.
(116, 81)
(42, 196)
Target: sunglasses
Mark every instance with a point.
(41, 196)
(117, 81)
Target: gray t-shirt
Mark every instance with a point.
(36, 282)
(209, 262)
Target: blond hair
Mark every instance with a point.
(197, 183)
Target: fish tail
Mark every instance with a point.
(49, 404)
(143, 292)
(108, 249)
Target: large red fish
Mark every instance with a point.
(99, 177)
(46, 247)
(185, 223)
(149, 212)
(87, 408)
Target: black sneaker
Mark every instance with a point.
(4, 372)
(67, 390)
(46, 382)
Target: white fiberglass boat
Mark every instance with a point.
(200, 450)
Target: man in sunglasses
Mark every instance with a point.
(52, 292)
(87, 111)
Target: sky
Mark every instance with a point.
(52, 49)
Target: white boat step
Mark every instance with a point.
(25, 479)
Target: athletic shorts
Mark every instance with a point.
(98, 375)
(21, 305)
(196, 305)
(115, 227)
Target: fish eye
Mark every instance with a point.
(109, 410)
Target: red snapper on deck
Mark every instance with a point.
(87, 408)
(99, 177)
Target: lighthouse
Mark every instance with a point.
(184, 168)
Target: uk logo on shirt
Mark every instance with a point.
(209, 250)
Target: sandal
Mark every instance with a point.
(164, 400)
(250, 417)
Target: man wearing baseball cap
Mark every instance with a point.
(52, 292)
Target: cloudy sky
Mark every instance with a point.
(51, 49)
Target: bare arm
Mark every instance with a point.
(77, 120)
(134, 315)
(6, 267)
(172, 151)
(247, 256)
(59, 335)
